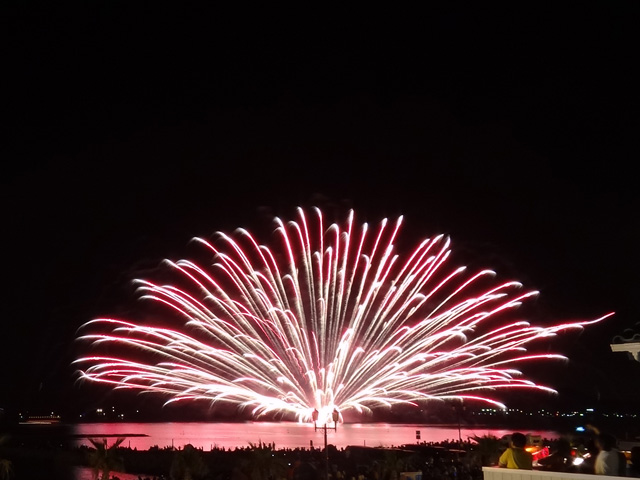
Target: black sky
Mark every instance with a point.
(130, 129)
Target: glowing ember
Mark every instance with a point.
(328, 319)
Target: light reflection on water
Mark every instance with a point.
(283, 434)
(85, 473)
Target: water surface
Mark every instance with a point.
(282, 434)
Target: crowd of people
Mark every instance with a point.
(426, 461)
(595, 452)
(598, 455)
(449, 460)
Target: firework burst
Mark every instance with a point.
(326, 318)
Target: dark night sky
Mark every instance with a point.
(130, 129)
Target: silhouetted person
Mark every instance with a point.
(610, 460)
(516, 456)
(589, 459)
(560, 460)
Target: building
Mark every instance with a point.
(628, 342)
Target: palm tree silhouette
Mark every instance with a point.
(6, 469)
(487, 451)
(6, 466)
(103, 459)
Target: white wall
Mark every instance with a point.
(493, 473)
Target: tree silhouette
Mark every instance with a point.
(188, 464)
(265, 464)
(103, 459)
(487, 452)
(6, 469)
(6, 466)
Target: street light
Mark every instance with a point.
(335, 416)
(458, 408)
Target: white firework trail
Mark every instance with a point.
(327, 319)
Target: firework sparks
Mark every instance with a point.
(327, 318)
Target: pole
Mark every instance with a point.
(326, 454)
(459, 412)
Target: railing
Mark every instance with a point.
(494, 473)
